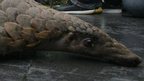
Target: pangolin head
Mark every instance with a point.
(102, 48)
(79, 37)
(92, 42)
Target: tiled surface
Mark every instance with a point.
(55, 66)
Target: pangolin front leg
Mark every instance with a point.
(26, 24)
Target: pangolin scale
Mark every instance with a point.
(28, 25)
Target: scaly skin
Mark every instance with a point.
(28, 25)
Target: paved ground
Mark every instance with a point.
(50, 66)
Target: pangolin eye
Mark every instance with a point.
(88, 42)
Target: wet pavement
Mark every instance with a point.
(55, 66)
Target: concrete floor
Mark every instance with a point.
(55, 66)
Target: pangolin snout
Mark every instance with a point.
(130, 61)
(121, 55)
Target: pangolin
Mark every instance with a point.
(28, 25)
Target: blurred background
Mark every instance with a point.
(106, 4)
(130, 8)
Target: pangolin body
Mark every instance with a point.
(26, 24)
